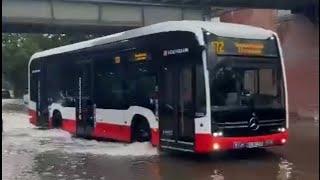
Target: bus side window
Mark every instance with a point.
(145, 90)
(109, 87)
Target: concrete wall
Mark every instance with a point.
(300, 43)
(257, 17)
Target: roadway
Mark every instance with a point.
(30, 153)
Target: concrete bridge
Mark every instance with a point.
(109, 16)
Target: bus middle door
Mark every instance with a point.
(85, 107)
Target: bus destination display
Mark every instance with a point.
(244, 47)
(140, 56)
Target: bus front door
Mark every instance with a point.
(85, 106)
(176, 108)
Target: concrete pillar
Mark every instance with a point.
(265, 18)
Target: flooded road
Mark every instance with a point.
(31, 153)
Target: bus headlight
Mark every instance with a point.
(283, 140)
(281, 129)
(217, 134)
(216, 146)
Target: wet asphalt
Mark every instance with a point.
(31, 153)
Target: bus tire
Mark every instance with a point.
(140, 129)
(56, 119)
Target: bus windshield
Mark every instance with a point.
(235, 83)
(245, 74)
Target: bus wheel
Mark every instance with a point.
(141, 131)
(56, 119)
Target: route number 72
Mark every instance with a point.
(218, 46)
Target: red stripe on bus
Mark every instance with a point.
(112, 131)
(102, 130)
(204, 142)
(69, 125)
(33, 116)
(154, 137)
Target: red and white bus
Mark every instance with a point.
(185, 85)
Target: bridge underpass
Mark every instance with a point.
(110, 16)
(301, 52)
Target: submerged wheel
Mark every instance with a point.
(56, 119)
(141, 131)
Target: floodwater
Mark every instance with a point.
(31, 153)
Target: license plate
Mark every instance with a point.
(239, 145)
(254, 144)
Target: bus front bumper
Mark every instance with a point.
(205, 143)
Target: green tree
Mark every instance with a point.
(18, 48)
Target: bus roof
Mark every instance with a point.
(217, 28)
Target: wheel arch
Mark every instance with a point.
(52, 120)
(147, 114)
(138, 118)
(136, 123)
(56, 111)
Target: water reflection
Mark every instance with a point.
(285, 169)
(247, 165)
(217, 175)
(251, 164)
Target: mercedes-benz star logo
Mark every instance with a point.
(253, 123)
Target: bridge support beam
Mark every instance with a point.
(69, 16)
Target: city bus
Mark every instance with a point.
(189, 86)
